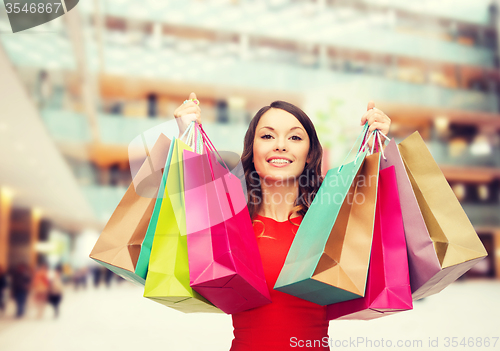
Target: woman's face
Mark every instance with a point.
(280, 146)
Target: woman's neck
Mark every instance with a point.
(278, 199)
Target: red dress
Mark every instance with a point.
(288, 322)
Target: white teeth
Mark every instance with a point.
(279, 161)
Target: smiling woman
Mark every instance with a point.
(282, 162)
(281, 151)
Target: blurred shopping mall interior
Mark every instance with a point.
(77, 91)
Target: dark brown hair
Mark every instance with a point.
(311, 172)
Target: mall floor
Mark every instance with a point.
(119, 318)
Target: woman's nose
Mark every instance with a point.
(280, 145)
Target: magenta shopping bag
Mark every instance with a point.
(388, 284)
(224, 261)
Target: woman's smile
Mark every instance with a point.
(279, 161)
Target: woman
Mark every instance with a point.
(21, 282)
(41, 288)
(282, 163)
(55, 289)
(3, 285)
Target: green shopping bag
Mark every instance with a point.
(329, 257)
(143, 260)
(167, 281)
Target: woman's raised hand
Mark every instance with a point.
(187, 112)
(377, 119)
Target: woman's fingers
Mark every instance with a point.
(189, 107)
(364, 118)
(369, 108)
(376, 119)
(190, 117)
(368, 116)
(378, 125)
(187, 112)
(371, 115)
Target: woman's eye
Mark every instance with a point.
(269, 136)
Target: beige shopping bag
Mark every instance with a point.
(456, 243)
(120, 243)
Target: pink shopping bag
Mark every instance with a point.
(388, 285)
(224, 261)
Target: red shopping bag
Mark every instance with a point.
(388, 285)
(224, 261)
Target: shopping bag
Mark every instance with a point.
(456, 245)
(422, 258)
(121, 243)
(388, 284)
(167, 281)
(224, 260)
(143, 260)
(329, 256)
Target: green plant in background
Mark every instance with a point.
(328, 123)
(331, 126)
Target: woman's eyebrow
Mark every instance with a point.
(290, 128)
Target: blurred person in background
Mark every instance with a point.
(96, 276)
(55, 289)
(67, 273)
(108, 277)
(43, 89)
(80, 278)
(41, 288)
(3, 286)
(21, 282)
(280, 146)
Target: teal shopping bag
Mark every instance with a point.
(329, 257)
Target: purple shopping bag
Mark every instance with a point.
(388, 285)
(422, 258)
(224, 261)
